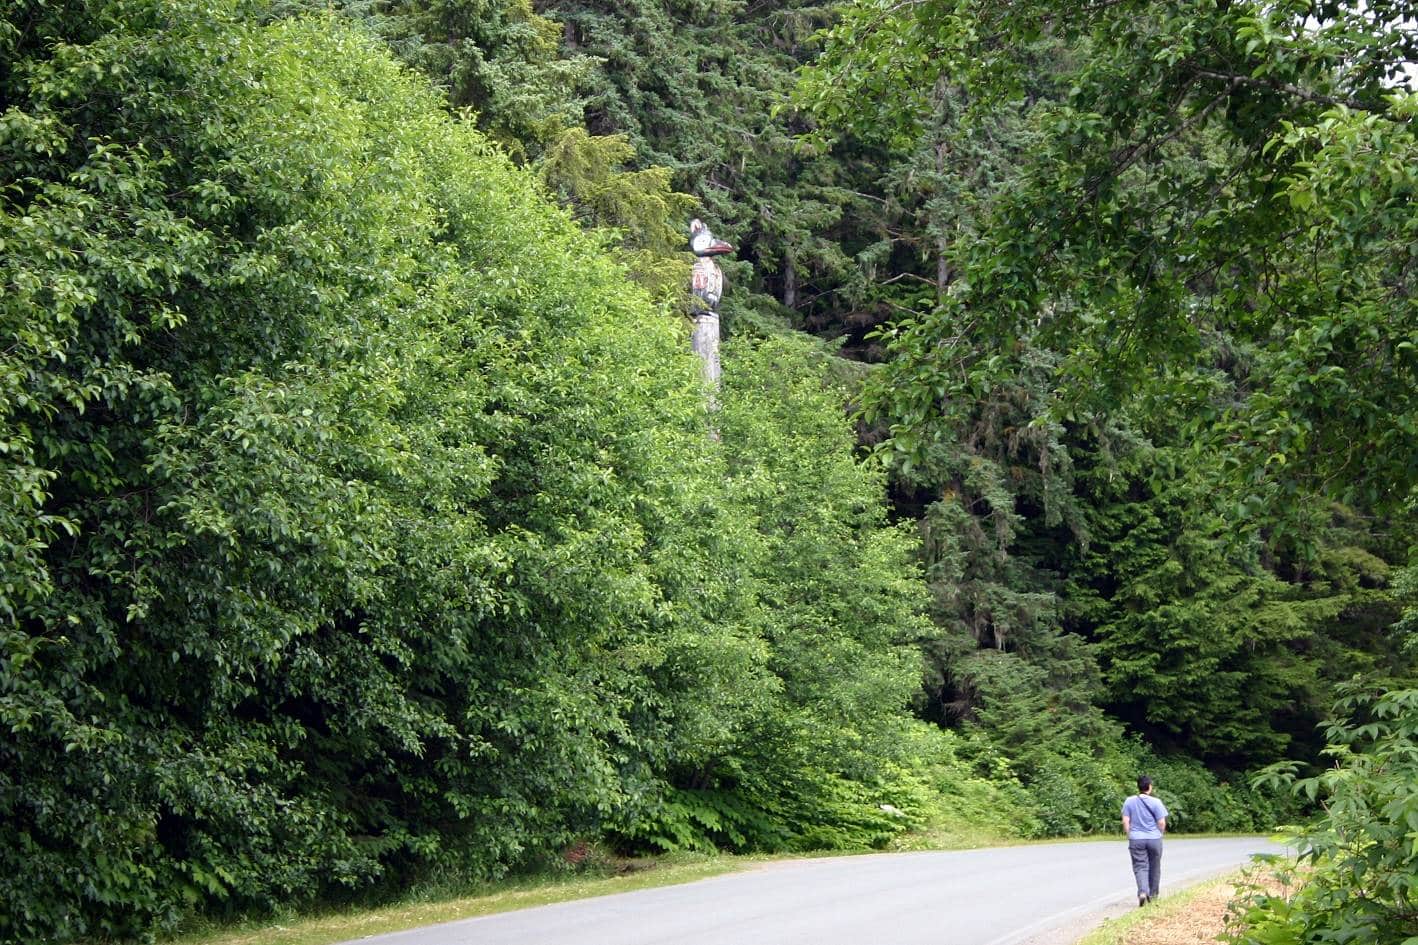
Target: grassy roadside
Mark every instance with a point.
(434, 905)
(1194, 916)
(430, 907)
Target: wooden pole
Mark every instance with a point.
(704, 341)
(707, 287)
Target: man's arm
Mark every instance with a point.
(1162, 824)
(1127, 823)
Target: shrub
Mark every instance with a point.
(1358, 861)
(373, 496)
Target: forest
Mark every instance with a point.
(364, 516)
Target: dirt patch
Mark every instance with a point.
(1201, 922)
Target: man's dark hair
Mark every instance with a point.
(1143, 783)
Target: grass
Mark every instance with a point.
(433, 906)
(950, 835)
(1126, 929)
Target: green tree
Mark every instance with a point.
(1240, 168)
(504, 64)
(639, 208)
(352, 515)
(839, 611)
(699, 89)
(1354, 881)
(501, 59)
(1175, 287)
(1210, 645)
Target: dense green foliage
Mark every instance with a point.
(1360, 858)
(835, 609)
(1221, 170)
(693, 88)
(361, 519)
(1227, 650)
(385, 514)
(355, 517)
(1156, 385)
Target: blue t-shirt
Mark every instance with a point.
(1142, 813)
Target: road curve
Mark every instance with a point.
(1002, 896)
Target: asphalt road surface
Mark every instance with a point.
(1004, 896)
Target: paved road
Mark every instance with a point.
(1004, 896)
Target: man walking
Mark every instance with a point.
(1144, 821)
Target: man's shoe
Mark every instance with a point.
(1142, 899)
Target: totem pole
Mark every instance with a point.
(708, 287)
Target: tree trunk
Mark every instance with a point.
(942, 156)
(790, 281)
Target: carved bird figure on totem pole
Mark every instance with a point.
(708, 278)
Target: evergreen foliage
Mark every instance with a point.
(1120, 400)
(1206, 644)
(1235, 170)
(638, 208)
(501, 59)
(697, 89)
(361, 521)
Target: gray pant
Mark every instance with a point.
(1146, 865)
